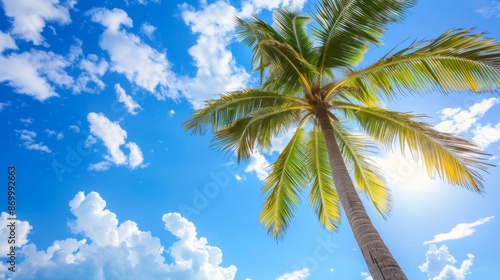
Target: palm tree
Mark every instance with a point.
(309, 83)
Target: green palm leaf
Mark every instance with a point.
(456, 61)
(323, 197)
(443, 154)
(223, 112)
(281, 189)
(366, 173)
(346, 27)
(258, 128)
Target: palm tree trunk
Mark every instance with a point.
(379, 259)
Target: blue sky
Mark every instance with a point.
(109, 186)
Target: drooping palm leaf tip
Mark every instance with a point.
(309, 83)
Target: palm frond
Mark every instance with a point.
(346, 27)
(282, 186)
(258, 128)
(294, 68)
(366, 173)
(292, 28)
(456, 61)
(323, 197)
(448, 156)
(224, 111)
(251, 33)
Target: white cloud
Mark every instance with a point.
(93, 70)
(113, 250)
(489, 8)
(252, 7)
(259, 165)
(100, 166)
(126, 100)
(50, 132)
(301, 274)
(439, 264)
(26, 121)
(238, 177)
(22, 229)
(171, 113)
(459, 231)
(141, 64)
(74, 128)
(366, 276)
(111, 134)
(457, 120)
(135, 157)
(113, 137)
(7, 42)
(28, 141)
(217, 71)
(3, 105)
(278, 143)
(148, 29)
(30, 17)
(34, 73)
(143, 2)
(485, 135)
(59, 136)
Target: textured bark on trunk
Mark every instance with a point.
(379, 259)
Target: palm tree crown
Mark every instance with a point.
(309, 82)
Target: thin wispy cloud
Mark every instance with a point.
(489, 9)
(460, 231)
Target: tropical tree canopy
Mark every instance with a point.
(308, 69)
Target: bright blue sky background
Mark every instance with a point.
(92, 100)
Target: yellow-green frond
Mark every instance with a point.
(292, 28)
(323, 197)
(346, 27)
(366, 173)
(294, 68)
(282, 186)
(448, 156)
(224, 111)
(456, 61)
(258, 128)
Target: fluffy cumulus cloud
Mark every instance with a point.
(35, 73)
(90, 79)
(301, 274)
(22, 230)
(113, 250)
(30, 17)
(439, 264)
(126, 100)
(113, 137)
(217, 69)
(28, 141)
(140, 63)
(459, 231)
(485, 135)
(458, 120)
(259, 165)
